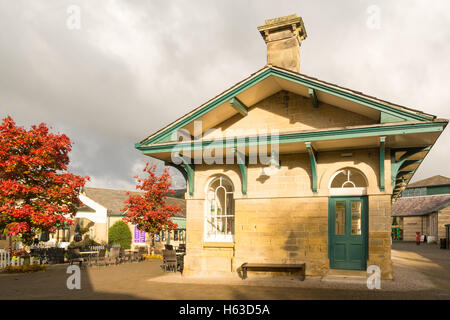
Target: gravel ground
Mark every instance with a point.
(421, 272)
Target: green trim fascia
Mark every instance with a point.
(442, 189)
(352, 97)
(242, 161)
(313, 96)
(312, 157)
(309, 83)
(300, 137)
(382, 157)
(389, 118)
(181, 222)
(210, 106)
(238, 106)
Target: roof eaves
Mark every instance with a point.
(269, 70)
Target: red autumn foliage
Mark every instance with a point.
(37, 194)
(149, 211)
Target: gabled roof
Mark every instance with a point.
(419, 206)
(437, 180)
(257, 87)
(113, 200)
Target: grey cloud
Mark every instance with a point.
(135, 66)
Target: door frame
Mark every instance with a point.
(364, 227)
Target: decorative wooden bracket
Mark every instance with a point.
(313, 96)
(398, 165)
(187, 170)
(312, 157)
(242, 161)
(239, 106)
(382, 156)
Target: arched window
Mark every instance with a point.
(219, 216)
(348, 181)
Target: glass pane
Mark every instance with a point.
(356, 217)
(340, 217)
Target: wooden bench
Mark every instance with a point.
(272, 268)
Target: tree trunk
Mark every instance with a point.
(152, 243)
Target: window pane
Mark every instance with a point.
(340, 217)
(356, 217)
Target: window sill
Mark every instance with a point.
(218, 244)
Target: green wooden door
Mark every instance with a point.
(348, 233)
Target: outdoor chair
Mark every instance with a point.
(100, 258)
(168, 247)
(134, 256)
(181, 247)
(141, 252)
(169, 260)
(113, 258)
(123, 257)
(180, 262)
(74, 256)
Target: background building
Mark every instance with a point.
(424, 207)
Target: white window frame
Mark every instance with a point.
(355, 191)
(218, 237)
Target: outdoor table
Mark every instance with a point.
(89, 255)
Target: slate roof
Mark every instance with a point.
(432, 181)
(113, 200)
(419, 206)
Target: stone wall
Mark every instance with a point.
(281, 219)
(443, 219)
(289, 111)
(411, 225)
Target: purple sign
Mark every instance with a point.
(139, 236)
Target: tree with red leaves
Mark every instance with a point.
(149, 211)
(37, 194)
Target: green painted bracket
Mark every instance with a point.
(312, 157)
(404, 173)
(242, 161)
(408, 163)
(401, 163)
(239, 106)
(187, 170)
(313, 96)
(382, 157)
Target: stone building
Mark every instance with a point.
(286, 168)
(424, 206)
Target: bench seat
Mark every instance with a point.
(271, 267)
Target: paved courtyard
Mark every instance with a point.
(421, 272)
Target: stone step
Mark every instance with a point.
(347, 273)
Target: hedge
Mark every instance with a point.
(119, 233)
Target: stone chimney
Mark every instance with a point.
(283, 37)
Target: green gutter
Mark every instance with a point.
(300, 137)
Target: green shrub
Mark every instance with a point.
(119, 233)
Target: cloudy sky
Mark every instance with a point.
(134, 66)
